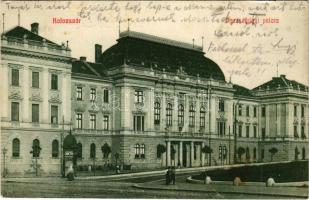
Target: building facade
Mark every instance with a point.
(146, 102)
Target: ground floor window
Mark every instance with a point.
(55, 149)
(15, 147)
(139, 150)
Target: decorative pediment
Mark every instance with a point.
(94, 108)
(139, 106)
(54, 100)
(15, 96)
(35, 96)
(295, 121)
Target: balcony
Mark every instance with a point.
(92, 132)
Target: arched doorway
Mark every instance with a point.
(70, 153)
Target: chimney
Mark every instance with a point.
(35, 28)
(83, 58)
(97, 52)
(282, 76)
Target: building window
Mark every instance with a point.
(142, 151)
(221, 128)
(15, 111)
(263, 133)
(105, 96)
(92, 94)
(254, 153)
(194, 152)
(54, 82)
(15, 148)
(303, 135)
(35, 112)
(93, 121)
(79, 150)
(191, 116)
(180, 115)
(254, 131)
(263, 111)
(138, 123)
(15, 77)
(157, 113)
(35, 79)
(221, 105)
(55, 149)
(79, 93)
(254, 111)
(202, 117)
(239, 130)
(295, 132)
(295, 111)
(169, 115)
(247, 111)
(105, 122)
(239, 110)
(92, 150)
(139, 96)
(136, 150)
(79, 120)
(220, 152)
(302, 111)
(262, 154)
(54, 114)
(247, 131)
(36, 149)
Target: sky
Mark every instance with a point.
(251, 41)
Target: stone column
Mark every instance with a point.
(168, 153)
(191, 154)
(278, 120)
(180, 153)
(267, 120)
(125, 108)
(25, 85)
(45, 90)
(202, 154)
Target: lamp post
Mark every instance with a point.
(4, 151)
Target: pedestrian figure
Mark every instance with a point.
(168, 176)
(173, 175)
(70, 174)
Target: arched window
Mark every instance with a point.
(92, 150)
(79, 150)
(36, 149)
(169, 115)
(15, 147)
(55, 149)
(180, 115)
(202, 117)
(191, 116)
(136, 150)
(157, 113)
(142, 151)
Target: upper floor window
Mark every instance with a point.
(54, 114)
(295, 111)
(92, 94)
(105, 96)
(239, 130)
(35, 79)
(35, 112)
(15, 147)
(93, 121)
(180, 115)
(15, 77)
(157, 113)
(15, 111)
(169, 114)
(79, 93)
(254, 111)
(263, 111)
(263, 133)
(302, 111)
(202, 117)
(239, 110)
(295, 132)
(54, 82)
(254, 131)
(138, 123)
(79, 120)
(191, 116)
(221, 105)
(139, 96)
(303, 135)
(247, 111)
(105, 122)
(55, 149)
(247, 131)
(221, 128)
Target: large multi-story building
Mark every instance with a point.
(146, 102)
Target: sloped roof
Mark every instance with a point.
(84, 67)
(160, 53)
(242, 91)
(282, 82)
(20, 32)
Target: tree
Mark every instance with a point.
(272, 152)
(240, 152)
(160, 150)
(106, 150)
(207, 150)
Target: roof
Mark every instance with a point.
(282, 82)
(88, 68)
(242, 91)
(20, 32)
(158, 53)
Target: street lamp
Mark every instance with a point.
(4, 151)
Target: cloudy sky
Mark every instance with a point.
(258, 38)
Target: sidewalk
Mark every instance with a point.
(293, 192)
